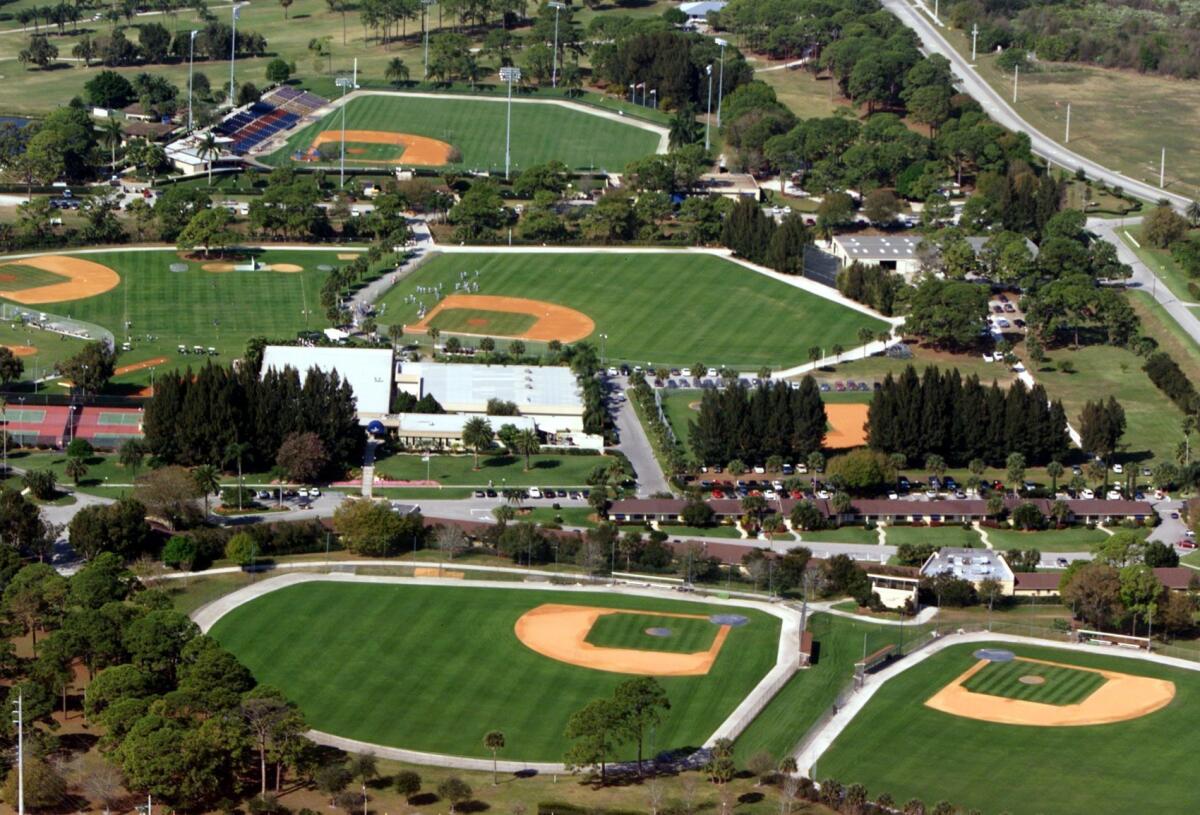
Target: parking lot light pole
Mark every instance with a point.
(554, 58)
(237, 12)
(343, 82)
(509, 74)
(721, 79)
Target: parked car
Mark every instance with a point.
(1062, 562)
(314, 492)
(1186, 544)
(1087, 494)
(824, 387)
(535, 492)
(1118, 469)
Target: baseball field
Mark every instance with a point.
(665, 308)
(436, 667)
(208, 304)
(431, 131)
(912, 740)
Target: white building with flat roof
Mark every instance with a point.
(444, 430)
(972, 565)
(368, 370)
(895, 252)
(550, 395)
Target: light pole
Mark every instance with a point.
(425, 4)
(721, 80)
(191, 61)
(237, 12)
(19, 721)
(974, 37)
(603, 343)
(554, 58)
(343, 83)
(1067, 138)
(654, 98)
(509, 74)
(1016, 78)
(708, 113)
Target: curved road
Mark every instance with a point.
(1000, 110)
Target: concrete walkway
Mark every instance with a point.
(983, 535)
(787, 658)
(817, 743)
(827, 606)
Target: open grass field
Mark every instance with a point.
(1059, 686)
(476, 129)
(1130, 766)
(166, 309)
(498, 470)
(434, 668)
(1116, 116)
(802, 93)
(936, 535)
(846, 534)
(1071, 539)
(669, 308)
(629, 631)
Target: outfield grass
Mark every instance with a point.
(102, 468)
(629, 631)
(1071, 539)
(434, 668)
(48, 348)
(496, 470)
(938, 535)
(669, 308)
(196, 307)
(476, 127)
(1131, 766)
(1060, 686)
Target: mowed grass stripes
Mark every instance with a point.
(666, 308)
(435, 668)
(1060, 686)
(540, 133)
(686, 636)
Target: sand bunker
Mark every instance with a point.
(560, 631)
(417, 149)
(84, 279)
(1122, 697)
(847, 425)
(554, 322)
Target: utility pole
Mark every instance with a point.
(1067, 140)
(425, 4)
(191, 61)
(343, 83)
(936, 6)
(1162, 170)
(509, 74)
(19, 721)
(237, 12)
(1016, 77)
(554, 58)
(721, 80)
(708, 116)
(974, 37)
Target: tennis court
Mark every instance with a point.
(122, 418)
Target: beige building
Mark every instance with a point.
(895, 591)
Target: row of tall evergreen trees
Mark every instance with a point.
(753, 424)
(195, 418)
(940, 413)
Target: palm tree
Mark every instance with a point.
(207, 150)
(234, 451)
(513, 497)
(132, 454)
(76, 469)
(477, 436)
(208, 480)
(111, 135)
(1055, 470)
(395, 333)
(865, 334)
(396, 72)
(837, 352)
(85, 50)
(814, 354)
(494, 741)
(528, 444)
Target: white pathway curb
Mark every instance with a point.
(786, 661)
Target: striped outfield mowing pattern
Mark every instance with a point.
(1062, 686)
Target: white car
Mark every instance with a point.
(1086, 494)
(314, 492)
(759, 470)
(801, 469)
(823, 494)
(685, 373)
(1118, 469)
(712, 373)
(613, 372)
(770, 495)
(1113, 495)
(302, 492)
(893, 496)
(534, 492)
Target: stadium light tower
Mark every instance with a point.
(708, 115)
(721, 80)
(191, 61)
(343, 82)
(554, 58)
(509, 74)
(425, 4)
(237, 12)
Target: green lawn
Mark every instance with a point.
(434, 668)
(48, 348)
(571, 516)
(496, 470)
(1131, 766)
(102, 468)
(846, 534)
(167, 309)
(1191, 559)
(668, 308)
(476, 127)
(938, 536)
(1071, 539)
(718, 531)
(630, 631)
(1060, 686)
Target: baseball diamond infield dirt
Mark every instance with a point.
(1122, 697)
(846, 425)
(22, 350)
(417, 149)
(554, 322)
(559, 631)
(85, 278)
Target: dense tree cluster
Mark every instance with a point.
(951, 313)
(1119, 594)
(752, 425)
(872, 285)
(195, 418)
(940, 413)
(1169, 378)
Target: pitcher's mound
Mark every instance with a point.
(1030, 679)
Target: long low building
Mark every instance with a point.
(1045, 584)
(885, 510)
(445, 430)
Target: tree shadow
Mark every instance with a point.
(473, 806)
(423, 799)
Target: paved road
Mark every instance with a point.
(634, 443)
(999, 109)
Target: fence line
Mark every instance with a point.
(57, 323)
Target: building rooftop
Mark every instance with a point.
(968, 564)
(368, 370)
(416, 423)
(466, 388)
(878, 247)
(702, 7)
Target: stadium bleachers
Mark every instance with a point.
(301, 103)
(256, 124)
